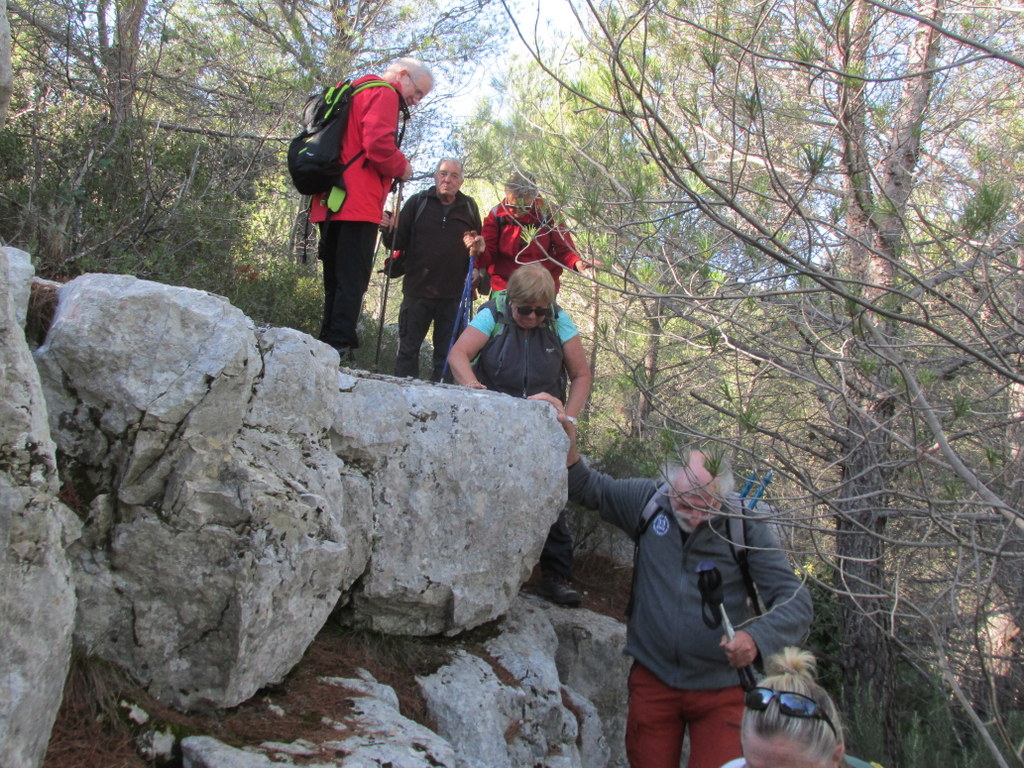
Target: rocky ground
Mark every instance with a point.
(95, 725)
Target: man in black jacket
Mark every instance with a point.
(437, 230)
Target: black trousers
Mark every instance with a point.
(414, 320)
(347, 251)
(556, 557)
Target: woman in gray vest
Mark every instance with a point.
(522, 343)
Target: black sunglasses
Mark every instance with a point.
(538, 311)
(790, 704)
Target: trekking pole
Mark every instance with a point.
(462, 316)
(709, 582)
(749, 502)
(393, 226)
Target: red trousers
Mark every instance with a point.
(660, 715)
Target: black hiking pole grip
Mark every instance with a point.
(709, 582)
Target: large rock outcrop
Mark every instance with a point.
(37, 602)
(239, 487)
(235, 488)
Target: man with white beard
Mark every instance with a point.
(685, 671)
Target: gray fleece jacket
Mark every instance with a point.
(666, 633)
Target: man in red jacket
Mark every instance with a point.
(348, 234)
(521, 229)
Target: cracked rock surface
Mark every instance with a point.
(236, 488)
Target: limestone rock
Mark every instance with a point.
(37, 602)
(590, 661)
(474, 710)
(511, 709)
(465, 487)
(219, 535)
(239, 487)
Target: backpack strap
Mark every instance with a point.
(642, 523)
(421, 199)
(499, 220)
(473, 209)
(500, 313)
(420, 207)
(737, 534)
(359, 89)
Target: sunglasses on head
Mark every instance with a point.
(790, 704)
(538, 311)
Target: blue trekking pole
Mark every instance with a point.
(749, 502)
(462, 317)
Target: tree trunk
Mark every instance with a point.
(875, 226)
(868, 659)
(643, 409)
(6, 72)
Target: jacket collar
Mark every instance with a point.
(432, 192)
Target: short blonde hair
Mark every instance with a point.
(793, 670)
(531, 284)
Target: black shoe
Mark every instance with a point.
(347, 355)
(558, 591)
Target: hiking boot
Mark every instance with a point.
(557, 590)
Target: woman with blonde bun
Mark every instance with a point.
(790, 721)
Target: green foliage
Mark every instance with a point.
(985, 209)
(750, 104)
(952, 490)
(993, 457)
(140, 201)
(712, 58)
(278, 292)
(748, 418)
(815, 158)
(962, 405)
(623, 456)
(930, 734)
(805, 49)
(14, 157)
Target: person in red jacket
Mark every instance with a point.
(522, 229)
(348, 233)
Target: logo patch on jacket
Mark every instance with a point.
(660, 524)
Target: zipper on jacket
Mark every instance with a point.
(684, 540)
(526, 361)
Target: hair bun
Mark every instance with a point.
(793, 661)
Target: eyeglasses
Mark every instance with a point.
(790, 704)
(520, 201)
(418, 93)
(538, 311)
